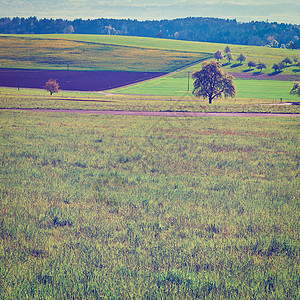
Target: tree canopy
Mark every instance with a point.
(295, 89)
(212, 82)
(52, 86)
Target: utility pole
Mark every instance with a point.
(68, 76)
(18, 75)
(188, 81)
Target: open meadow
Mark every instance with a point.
(121, 207)
(146, 207)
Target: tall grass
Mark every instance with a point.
(124, 207)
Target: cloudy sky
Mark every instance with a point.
(286, 11)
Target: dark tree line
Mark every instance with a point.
(192, 29)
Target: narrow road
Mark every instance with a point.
(155, 113)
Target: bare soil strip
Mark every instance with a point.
(155, 113)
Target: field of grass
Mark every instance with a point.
(255, 53)
(177, 86)
(120, 207)
(27, 98)
(36, 53)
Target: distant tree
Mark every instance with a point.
(295, 89)
(69, 29)
(287, 61)
(52, 86)
(218, 55)
(229, 57)
(291, 45)
(276, 68)
(251, 64)
(212, 82)
(274, 44)
(241, 58)
(160, 34)
(281, 65)
(227, 50)
(261, 66)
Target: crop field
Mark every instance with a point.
(73, 80)
(57, 54)
(121, 207)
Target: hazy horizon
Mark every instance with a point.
(243, 11)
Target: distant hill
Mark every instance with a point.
(190, 29)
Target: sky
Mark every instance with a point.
(281, 11)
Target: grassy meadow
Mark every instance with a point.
(176, 86)
(184, 101)
(120, 207)
(37, 53)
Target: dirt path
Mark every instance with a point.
(155, 113)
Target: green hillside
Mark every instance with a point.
(31, 52)
(110, 52)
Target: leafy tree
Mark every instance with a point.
(212, 82)
(227, 50)
(281, 65)
(229, 57)
(52, 86)
(287, 61)
(295, 89)
(251, 64)
(276, 67)
(218, 55)
(241, 58)
(261, 66)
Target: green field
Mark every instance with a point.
(38, 53)
(87, 52)
(253, 89)
(119, 207)
(28, 98)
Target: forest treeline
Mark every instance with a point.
(191, 29)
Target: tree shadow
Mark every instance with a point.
(296, 70)
(235, 65)
(247, 70)
(257, 73)
(275, 73)
(226, 64)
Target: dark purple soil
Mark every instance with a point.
(72, 80)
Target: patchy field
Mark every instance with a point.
(123, 207)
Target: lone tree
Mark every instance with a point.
(218, 55)
(287, 61)
(227, 50)
(52, 86)
(251, 64)
(229, 57)
(241, 58)
(212, 82)
(261, 66)
(276, 68)
(295, 89)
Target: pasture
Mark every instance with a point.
(132, 207)
(122, 207)
(57, 54)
